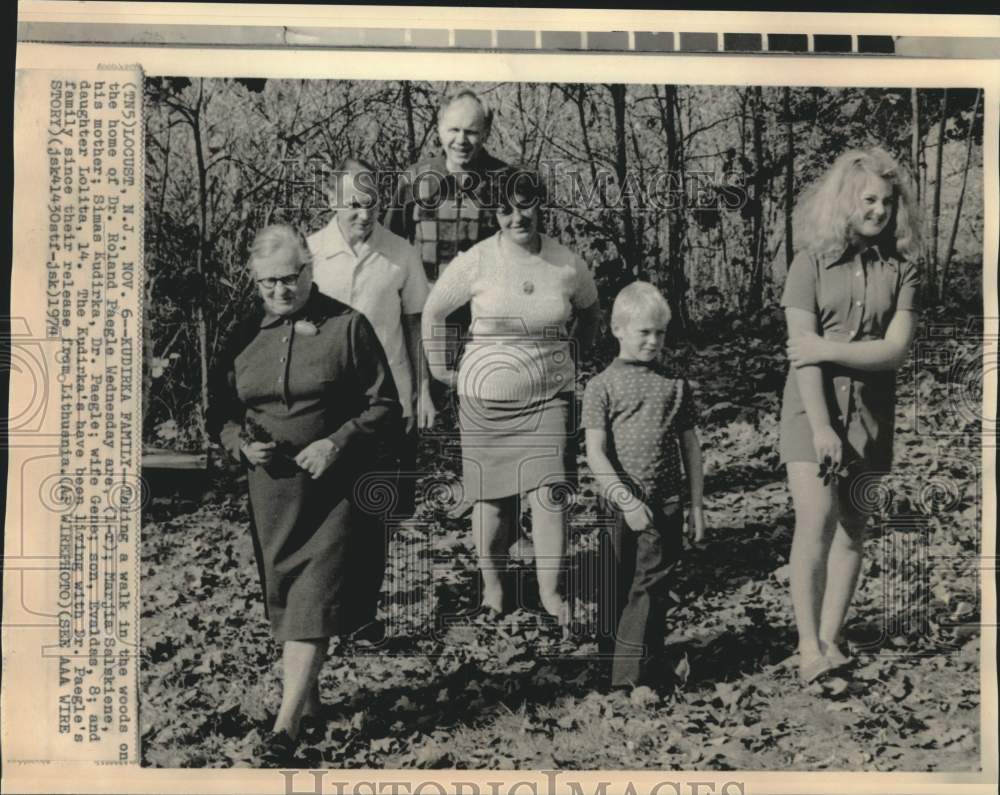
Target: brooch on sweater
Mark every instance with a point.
(306, 328)
(528, 287)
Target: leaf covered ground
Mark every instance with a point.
(519, 695)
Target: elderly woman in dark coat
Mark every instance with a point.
(302, 392)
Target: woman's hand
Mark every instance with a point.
(696, 524)
(258, 453)
(317, 457)
(827, 445)
(807, 348)
(425, 411)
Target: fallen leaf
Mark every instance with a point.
(835, 686)
(683, 670)
(901, 688)
(404, 704)
(644, 696)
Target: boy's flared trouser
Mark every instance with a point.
(636, 571)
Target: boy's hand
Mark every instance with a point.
(696, 524)
(638, 516)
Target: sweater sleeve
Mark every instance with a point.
(224, 420)
(452, 290)
(379, 408)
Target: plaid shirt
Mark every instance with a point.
(445, 214)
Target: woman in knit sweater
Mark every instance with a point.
(534, 310)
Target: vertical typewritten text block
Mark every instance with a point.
(75, 491)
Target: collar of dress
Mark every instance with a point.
(842, 256)
(311, 312)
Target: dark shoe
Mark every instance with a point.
(312, 727)
(276, 749)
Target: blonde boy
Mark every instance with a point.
(639, 425)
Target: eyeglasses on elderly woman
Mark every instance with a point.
(270, 282)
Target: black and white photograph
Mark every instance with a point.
(561, 425)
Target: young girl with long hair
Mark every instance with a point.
(850, 302)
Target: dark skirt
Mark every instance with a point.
(320, 557)
(513, 447)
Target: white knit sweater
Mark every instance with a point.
(521, 303)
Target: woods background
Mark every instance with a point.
(226, 157)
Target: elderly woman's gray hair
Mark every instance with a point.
(279, 237)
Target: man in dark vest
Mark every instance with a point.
(447, 203)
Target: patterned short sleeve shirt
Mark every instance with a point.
(643, 411)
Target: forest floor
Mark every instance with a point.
(519, 696)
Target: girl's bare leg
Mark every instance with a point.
(815, 521)
(842, 570)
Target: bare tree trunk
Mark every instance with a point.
(199, 309)
(915, 138)
(756, 295)
(680, 226)
(936, 216)
(961, 198)
(150, 281)
(411, 135)
(676, 215)
(632, 257)
(786, 103)
(580, 99)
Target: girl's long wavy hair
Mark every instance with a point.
(825, 207)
